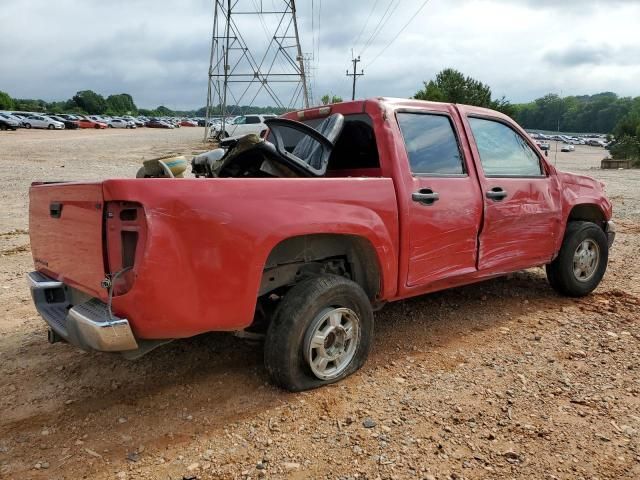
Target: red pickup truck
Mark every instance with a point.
(302, 235)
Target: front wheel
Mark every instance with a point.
(321, 333)
(582, 261)
(27, 125)
(50, 127)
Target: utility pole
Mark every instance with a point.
(355, 75)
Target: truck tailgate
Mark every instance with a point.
(66, 231)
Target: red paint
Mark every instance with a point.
(203, 243)
(88, 123)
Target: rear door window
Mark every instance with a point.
(431, 143)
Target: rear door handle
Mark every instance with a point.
(497, 194)
(55, 209)
(425, 196)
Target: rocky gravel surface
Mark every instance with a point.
(499, 380)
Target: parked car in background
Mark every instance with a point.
(8, 124)
(241, 126)
(40, 121)
(545, 146)
(567, 147)
(11, 119)
(121, 123)
(594, 142)
(188, 123)
(68, 124)
(68, 116)
(89, 123)
(137, 122)
(156, 123)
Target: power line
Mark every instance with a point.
(381, 23)
(399, 32)
(355, 44)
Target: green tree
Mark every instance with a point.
(330, 98)
(90, 101)
(598, 113)
(121, 104)
(452, 86)
(6, 102)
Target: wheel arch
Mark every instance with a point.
(588, 212)
(283, 261)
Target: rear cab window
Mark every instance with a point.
(355, 150)
(431, 143)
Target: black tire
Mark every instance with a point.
(50, 127)
(97, 127)
(3, 126)
(284, 355)
(560, 272)
(27, 125)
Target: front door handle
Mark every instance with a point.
(425, 196)
(497, 194)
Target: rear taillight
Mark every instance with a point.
(125, 234)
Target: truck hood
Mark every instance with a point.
(581, 181)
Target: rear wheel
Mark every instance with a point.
(321, 333)
(582, 261)
(27, 125)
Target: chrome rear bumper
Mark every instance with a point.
(80, 320)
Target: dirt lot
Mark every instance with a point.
(498, 380)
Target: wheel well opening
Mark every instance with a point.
(588, 213)
(297, 258)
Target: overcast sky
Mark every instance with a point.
(158, 50)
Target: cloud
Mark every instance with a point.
(158, 50)
(604, 54)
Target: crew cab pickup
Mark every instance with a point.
(300, 236)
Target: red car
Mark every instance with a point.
(188, 123)
(303, 235)
(88, 123)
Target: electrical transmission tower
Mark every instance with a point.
(270, 67)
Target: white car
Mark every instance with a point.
(567, 147)
(241, 126)
(38, 121)
(136, 122)
(121, 123)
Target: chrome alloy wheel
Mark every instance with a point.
(586, 260)
(331, 342)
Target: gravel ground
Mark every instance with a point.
(498, 380)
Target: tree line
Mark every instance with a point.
(91, 103)
(605, 113)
